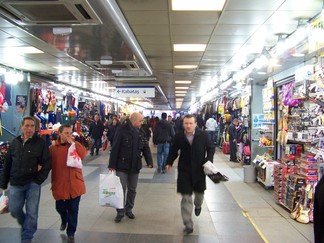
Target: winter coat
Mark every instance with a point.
(130, 145)
(67, 182)
(96, 130)
(232, 132)
(163, 132)
(23, 160)
(191, 176)
(111, 132)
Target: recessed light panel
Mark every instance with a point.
(189, 47)
(195, 5)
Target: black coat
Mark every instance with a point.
(191, 176)
(129, 146)
(96, 130)
(22, 161)
(163, 132)
(319, 212)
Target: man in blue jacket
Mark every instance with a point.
(130, 145)
(26, 167)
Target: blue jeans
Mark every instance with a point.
(68, 210)
(28, 194)
(96, 144)
(211, 135)
(162, 154)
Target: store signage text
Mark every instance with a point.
(135, 91)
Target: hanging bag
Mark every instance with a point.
(73, 159)
(3, 203)
(110, 191)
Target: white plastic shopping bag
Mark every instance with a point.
(110, 191)
(213, 173)
(73, 159)
(3, 203)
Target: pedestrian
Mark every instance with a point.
(96, 130)
(130, 145)
(232, 132)
(211, 125)
(67, 182)
(112, 128)
(162, 136)
(146, 128)
(26, 167)
(195, 150)
(170, 121)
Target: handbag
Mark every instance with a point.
(213, 173)
(3, 203)
(247, 150)
(110, 191)
(73, 159)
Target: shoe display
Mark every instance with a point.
(130, 215)
(188, 230)
(197, 211)
(63, 227)
(118, 218)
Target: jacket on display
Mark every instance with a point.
(23, 161)
(130, 145)
(191, 176)
(67, 182)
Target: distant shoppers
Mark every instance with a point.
(170, 121)
(95, 131)
(130, 145)
(26, 167)
(179, 124)
(67, 182)
(162, 136)
(232, 132)
(112, 128)
(211, 125)
(195, 150)
(146, 128)
(200, 121)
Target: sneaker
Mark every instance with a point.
(118, 218)
(71, 239)
(197, 211)
(130, 215)
(63, 227)
(187, 230)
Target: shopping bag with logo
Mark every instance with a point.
(3, 203)
(73, 159)
(110, 191)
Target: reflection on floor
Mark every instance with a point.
(232, 212)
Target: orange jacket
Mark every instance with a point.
(67, 182)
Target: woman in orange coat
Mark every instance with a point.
(67, 182)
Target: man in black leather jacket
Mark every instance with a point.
(130, 145)
(26, 167)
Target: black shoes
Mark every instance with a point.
(235, 161)
(118, 218)
(187, 230)
(197, 211)
(130, 215)
(63, 227)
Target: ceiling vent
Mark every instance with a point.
(116, 65)
(77, 12)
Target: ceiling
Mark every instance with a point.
(243, 26)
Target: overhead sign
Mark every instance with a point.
(135, 91)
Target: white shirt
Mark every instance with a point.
(211, 124)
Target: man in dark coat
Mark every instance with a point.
(96, 130)
(130, 145)
(232, 132)
(195, 150)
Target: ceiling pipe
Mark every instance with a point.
(112, 9)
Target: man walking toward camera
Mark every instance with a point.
(195, 150)
(26, 167)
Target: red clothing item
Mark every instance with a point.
(67, 182)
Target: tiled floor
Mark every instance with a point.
(232, 212)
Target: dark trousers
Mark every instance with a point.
(68, 210)
(233, 150)
(96, 144)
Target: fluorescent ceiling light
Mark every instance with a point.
(261, 73)
(97, 82)
(181, 91)
(182, 82)
(179, 99)
(195, 5)
(298, 55)
(111, 87)
(180, 95)
(66, 68)
(23, 50)
(185, 66)
(189, 47)
(181, 87)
